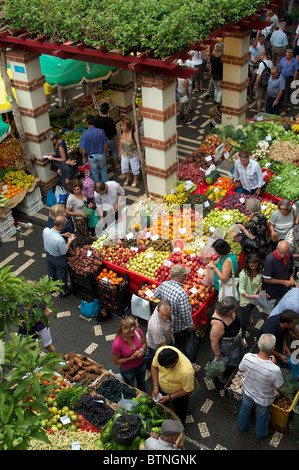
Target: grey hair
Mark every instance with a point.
(226, 305)
(253, 205)
(282, 24)
(266, 342)
(285, 202)
(163, 303)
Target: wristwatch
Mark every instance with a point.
(169, 396)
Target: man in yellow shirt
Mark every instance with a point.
(173, 374)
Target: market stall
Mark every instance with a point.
(95, 404)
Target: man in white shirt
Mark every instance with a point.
(109, 197)
(262, 376)
(248, 174)
(261, 92)
(170, 432)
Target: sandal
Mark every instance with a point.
(126, 183)
(134, 185)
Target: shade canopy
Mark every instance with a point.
(68, 73)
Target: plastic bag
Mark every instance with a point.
(88, 211)
(125, 428)
(261, 301)
(289, 384)
(127, 404)
(90, 309)
(93, 219)
(51, 198)
(215, 368)
(208, 280)
(61, 195)
(192, 345)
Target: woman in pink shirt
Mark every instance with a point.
(128, 350)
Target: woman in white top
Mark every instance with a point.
(198, 63)
(281, 221)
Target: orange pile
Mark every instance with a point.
(13, 190)
(172, 229)
(224, 183)
(10, 153)
(111, 277)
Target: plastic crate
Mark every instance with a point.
(116, 298)
(281, 417)
(232, 399)
(83, 287)
(32, 202)
(7, 233)
(153, 304)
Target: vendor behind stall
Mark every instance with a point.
(248, 174)
(109, 199)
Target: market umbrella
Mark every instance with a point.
(69, 73)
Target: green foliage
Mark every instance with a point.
(23, 367)
(163, 27)
(17, 293)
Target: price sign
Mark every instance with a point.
(155, 237)
(129, 236)
(193, 290)
(149, 293)
(150, 255)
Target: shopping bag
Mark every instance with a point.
(215, 368)
(230, 287)
(61, 194)
(261, 301)
(93, 219)
(51, 199)
(90, 309)
(192, 345)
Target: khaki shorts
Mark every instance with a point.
(261, 93)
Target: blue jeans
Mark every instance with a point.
(113, 147)
(262, 418)
(97, 161)
(138, 373)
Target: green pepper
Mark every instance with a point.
(142, 399)
(109, 445)
(144, 434)
(144, 410)
(150, 403)
(99, 443)
(135, 442)
(120, 447)
(156, 429)
(158, 408)
(106, 436)
(157, 422)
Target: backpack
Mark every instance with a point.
(265, 76)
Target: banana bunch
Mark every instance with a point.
(3, 199)
(295, 127)
(19, 178)
(180, 197)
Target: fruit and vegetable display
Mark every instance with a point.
(201, 199)
(86, 260)
(194, 166)
(147, 262)
(286, 183)
(110, 278)
(79, 368)
(128, 430)
(179, 194)
(114, 389)
(146, 291)
(12, 183)
(222, 219)
(238, 201)
(94, 409)
(10, 153)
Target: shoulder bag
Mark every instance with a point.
(230, 287)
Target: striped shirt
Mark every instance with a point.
(180, 305)
(159, 331)
(261, 377)
(250, 177)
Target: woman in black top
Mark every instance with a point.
(217, 71)
(60, 151)
(226, 344)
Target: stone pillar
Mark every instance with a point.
(28, 82)
(235, 77)
(158, 111)
(121, 86)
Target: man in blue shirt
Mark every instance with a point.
(56, 250)
(279, 42)
(289, 69)
(253, 63)
(275, 90)
(94, 143)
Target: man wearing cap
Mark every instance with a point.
(170, 431)
(181, 307)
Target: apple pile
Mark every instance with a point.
(147, 262)
(118, 255)
(143, 292)
(238, 201)
(222, 219)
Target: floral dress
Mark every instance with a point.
(257, 226)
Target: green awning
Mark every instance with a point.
(69, 73)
